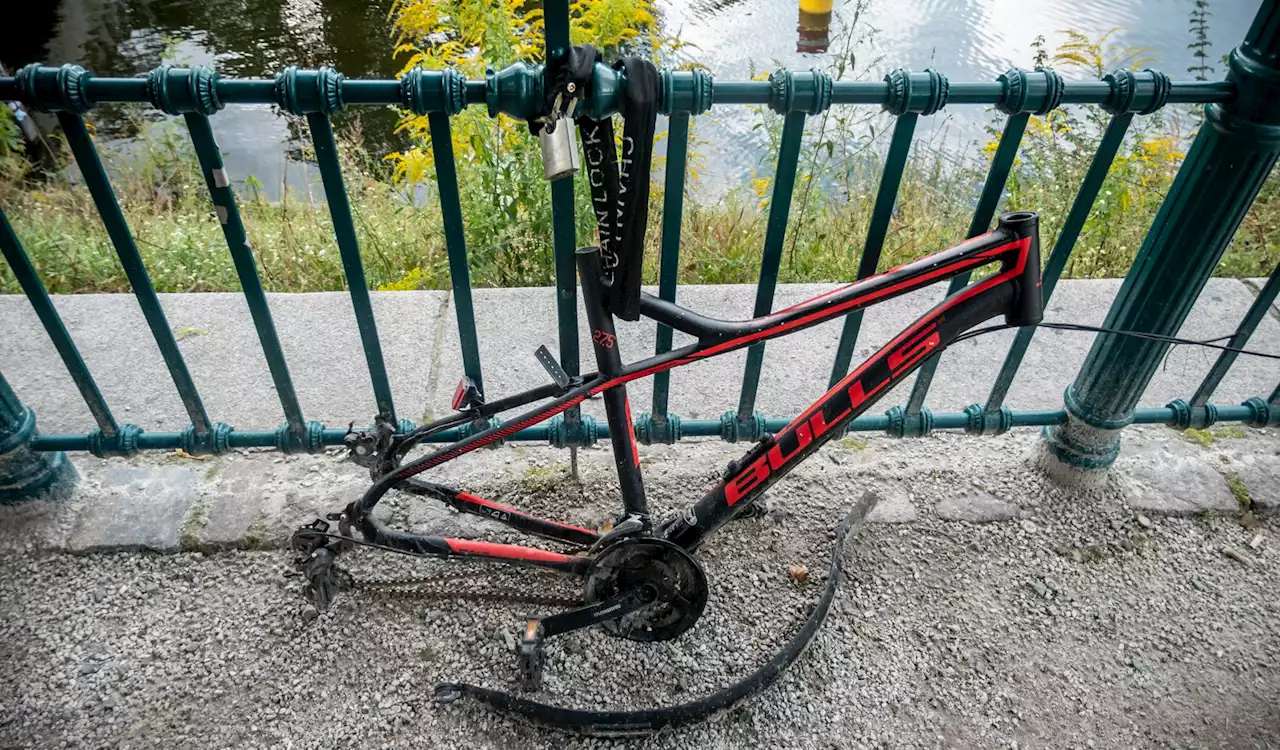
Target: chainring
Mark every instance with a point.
(678, 577)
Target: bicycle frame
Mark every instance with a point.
(1012, 291)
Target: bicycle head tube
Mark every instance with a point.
(1028, 308)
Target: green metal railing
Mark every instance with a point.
(1231, 156)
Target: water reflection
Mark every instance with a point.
(966, 39)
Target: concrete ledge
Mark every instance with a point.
(323, 351)
(255, 499)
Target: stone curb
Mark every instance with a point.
(254, 500)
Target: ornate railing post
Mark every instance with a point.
(24, 473)
(1223, 172)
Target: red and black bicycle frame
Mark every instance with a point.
(1012, 291)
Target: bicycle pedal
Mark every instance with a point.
(553, 368)
(531, 658)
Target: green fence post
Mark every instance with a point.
(1223, 172)
(455, 240)
(658, 425)
(344, 231)
(571, 428)
(877, 229)
(795, 96)
(910, 96)
(1199, 413)
(224, 203)
(104, 198)
(744, 423)
(1099, 167)
(25, 473)
(36, 294)
(916, 420)
(684, 93)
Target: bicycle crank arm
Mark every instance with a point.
(646, 721)
(584, 617)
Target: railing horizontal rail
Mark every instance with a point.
(516, 90)
(1165, 415)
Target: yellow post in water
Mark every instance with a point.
(814, 26)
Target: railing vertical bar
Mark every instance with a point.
(38, 296)
(669, 270)
(455, 240)
(95, 179)
(563, 225)
(886, 196)
(349, 248)
(224, 202)
(1257, 311)
(775, 236)
(564, 240)
(988, 202)
(1112, 139)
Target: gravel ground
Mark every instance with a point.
(1078, 624)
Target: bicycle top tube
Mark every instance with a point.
(708, 330)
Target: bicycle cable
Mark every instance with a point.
(1208, 343)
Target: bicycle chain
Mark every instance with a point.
(435, 587)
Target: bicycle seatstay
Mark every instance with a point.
(1013, 292)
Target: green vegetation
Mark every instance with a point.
(258, 535)
(1207, 437)
(506, 203)
(542, 479)
(192, 525)
(1240, 491)
(853, 443)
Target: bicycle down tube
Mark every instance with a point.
(1013, 291)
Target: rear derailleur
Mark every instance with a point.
(318, 551)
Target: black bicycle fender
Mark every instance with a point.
(650, 720)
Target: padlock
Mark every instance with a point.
(559, 149)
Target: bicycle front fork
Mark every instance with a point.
(604, 341)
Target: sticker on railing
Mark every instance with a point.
(220, 178)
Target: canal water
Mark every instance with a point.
(965, 39)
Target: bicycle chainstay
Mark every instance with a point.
(427, 586)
